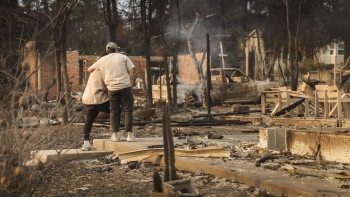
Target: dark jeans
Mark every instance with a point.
(121, 100)
(91, 114)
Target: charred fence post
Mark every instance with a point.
(169, 155)
(208, 75)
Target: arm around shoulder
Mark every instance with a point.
(90, 69)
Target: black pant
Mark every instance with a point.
(125, 99)
(91, 114)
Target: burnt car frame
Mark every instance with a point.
(230, 85)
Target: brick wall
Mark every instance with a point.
(47, 75)
(77, 65)
(31, 58)
(73, 70)
(187, 69)
(46, 72)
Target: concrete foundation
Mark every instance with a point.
(329, 144)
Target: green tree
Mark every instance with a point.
(86, 28)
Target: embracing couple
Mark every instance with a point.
(109, 89)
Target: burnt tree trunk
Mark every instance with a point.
(165, 54)
(294, 77)
(296, 70)
(58, 71)
(111, 19)
(67, 89)
(175, 8)
(146, 42)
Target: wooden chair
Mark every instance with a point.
(333, 101)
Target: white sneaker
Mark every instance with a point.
(115, 137)
(118, 137)
(121, 136)
(88, 147)
(131, 137)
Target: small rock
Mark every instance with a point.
(83, 188)
(198, 172)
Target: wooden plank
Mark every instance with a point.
(64, 155)
(301, 96)
(332, 111)
(275, 109)
(326, 87)
(332, 96)
(209, 152)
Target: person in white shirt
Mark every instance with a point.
(117, 74)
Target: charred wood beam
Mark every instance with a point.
(263, 159)
(209, 123)
(212, 122)
(288, 108)
(225, 114)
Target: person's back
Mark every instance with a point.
(115, 70)
(95, 91)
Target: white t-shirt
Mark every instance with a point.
(115, 70)
(96, 91)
